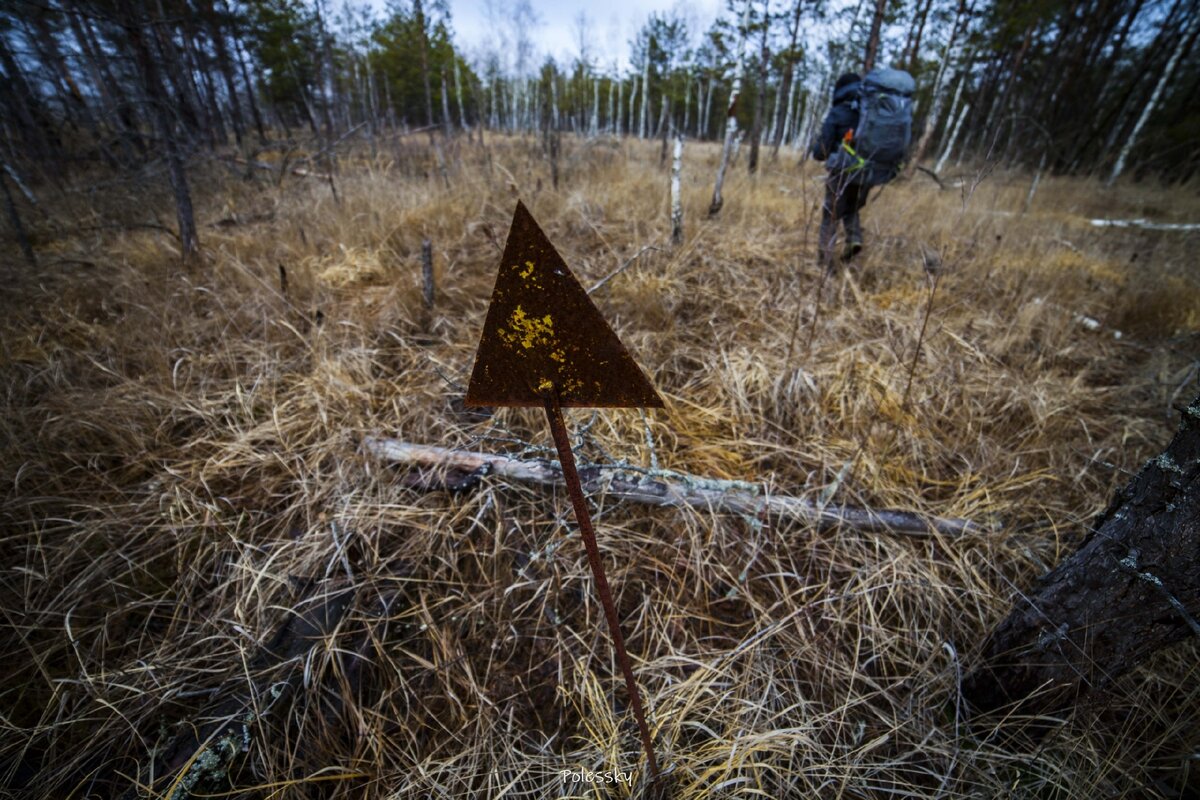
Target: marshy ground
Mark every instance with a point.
(182, 474)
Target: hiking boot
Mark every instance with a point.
(852, 249)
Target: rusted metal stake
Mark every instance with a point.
(558, 430)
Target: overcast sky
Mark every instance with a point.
(612, 24)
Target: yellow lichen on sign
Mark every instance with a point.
(528, 331)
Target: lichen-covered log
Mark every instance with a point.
(659, 488)
(1132, 588)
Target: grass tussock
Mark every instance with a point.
(183, 490)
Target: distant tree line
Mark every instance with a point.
(1072, 86)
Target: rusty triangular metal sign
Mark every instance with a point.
(543, 337)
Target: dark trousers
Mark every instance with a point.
(843, 200)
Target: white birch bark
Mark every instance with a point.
(791, 110)
(462, 114)
(595, 126)
(941, 162)
(676, 195)
(609, 125)
(731, 125)
(939, 89)
(643, 127)
(618, 124)
(1152, 103)
(633, 93)
(554, 98)
(687, 103)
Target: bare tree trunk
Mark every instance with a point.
(1131, 588)
(787, 86)
(665, 109)
(36, 128)
(939, 86)
(226, 68)
(785, 132)
(643, 128)
(1152, 103)
(462, 115)
(446, 122)
(873, 39)
(618, 121)
(945, 156)
(595, 127)
(14, 218)
(188, 240)
(676, 195)
(761, 98)
(258, 122)
(731, 125)
(915, 33)
(419, 14)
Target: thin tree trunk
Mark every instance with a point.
(643, 128)
(423, 53)
(595, 127)
(446, 121)
(36, 128)
(14, 218)
(258, 121)
(662, 127)
(708, 96)
(953, 138)
(462, 115)
(873, 39)
(1132, 588)
(939, 86)
(676, 195)
(1152, 103)
(914, 43)
(189, 241)
(786, 131)
(731, 125)
(633, 92)
(761, 98)
(226, 68)
(687, 104)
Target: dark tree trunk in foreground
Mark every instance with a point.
(1131, 588)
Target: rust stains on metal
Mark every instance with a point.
(544, 338)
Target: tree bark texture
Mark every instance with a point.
(1132, 588)
(873, 39)
(459, 470)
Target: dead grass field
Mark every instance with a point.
(181, 474)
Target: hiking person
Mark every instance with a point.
(843, 197)
(863, 140)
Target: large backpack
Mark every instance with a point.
(884, 131)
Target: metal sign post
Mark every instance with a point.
(545, 344)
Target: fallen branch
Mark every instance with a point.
(300, 171)
(666, 488)
(941, 184)
(1146, 224)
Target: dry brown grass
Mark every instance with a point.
(180, 462)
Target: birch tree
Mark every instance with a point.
(731, 125)
(1155, 97)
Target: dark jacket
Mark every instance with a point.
(842, 116)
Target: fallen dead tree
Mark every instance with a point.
(656, 487)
